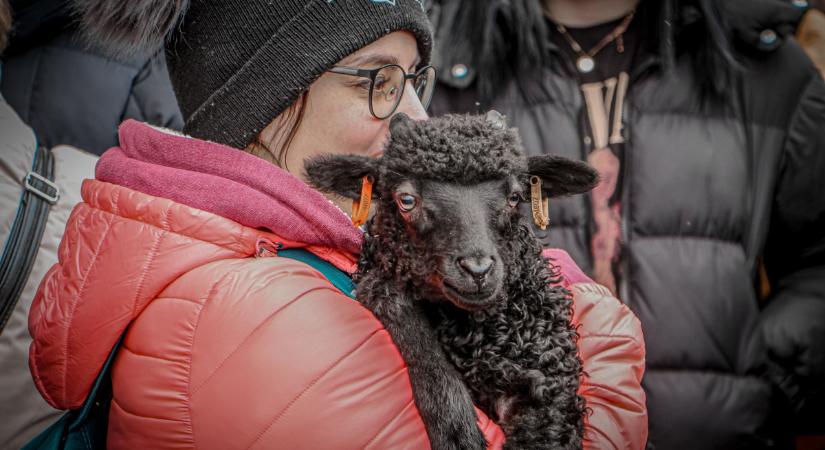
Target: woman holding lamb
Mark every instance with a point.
(175, 247)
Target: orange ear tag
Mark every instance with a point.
(361, 207)
(540, 207)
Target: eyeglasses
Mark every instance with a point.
(387, 85)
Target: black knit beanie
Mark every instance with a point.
(237, 64)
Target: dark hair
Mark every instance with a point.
(709, 43)
(291, 120)
(5, 23)
(513, 36)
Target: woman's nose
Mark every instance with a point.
(411, 105)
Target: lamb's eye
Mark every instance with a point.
(514, 199)
(406, 202)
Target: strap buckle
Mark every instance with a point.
(29, 186)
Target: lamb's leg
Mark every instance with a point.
(534, 427)
(442, 398)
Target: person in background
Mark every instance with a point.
(811, 34)
(799, 18)
(229, 343)
(707, 125)
(69, 90)
(23, 412)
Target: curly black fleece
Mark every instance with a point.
(518, 359)
(461, 149)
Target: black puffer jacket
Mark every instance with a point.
(710, 190)
(72, 93)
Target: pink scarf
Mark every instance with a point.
(225, 181)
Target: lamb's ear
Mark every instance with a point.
(340, 174)
(561, 176)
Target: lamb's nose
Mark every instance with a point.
(476, 267)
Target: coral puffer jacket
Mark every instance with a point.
(229, 346)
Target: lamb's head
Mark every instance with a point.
(447, 192)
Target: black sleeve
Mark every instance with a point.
(793, 321)
(152, 99)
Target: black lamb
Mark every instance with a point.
(449, 259)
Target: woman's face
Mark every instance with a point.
(337, 118)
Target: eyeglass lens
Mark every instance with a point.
(388, 88)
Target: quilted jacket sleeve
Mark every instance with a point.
(612, 350)
(613, 355)
(793, 322)
(263, 353)
(151, 98)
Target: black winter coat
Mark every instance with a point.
(710, 191)
(72, 93)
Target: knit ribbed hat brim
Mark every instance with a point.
(314, 40)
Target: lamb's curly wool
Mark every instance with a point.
(523, 351)
(515, 356)
(463, 149)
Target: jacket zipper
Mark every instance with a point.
(627, 116)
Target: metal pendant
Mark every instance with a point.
(585, 64)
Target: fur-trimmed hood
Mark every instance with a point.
(121, 29)
(124, 28)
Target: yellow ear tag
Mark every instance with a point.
(540, 206)
(361, 207)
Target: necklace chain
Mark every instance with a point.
(587, 56)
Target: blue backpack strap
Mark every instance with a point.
(338, 278)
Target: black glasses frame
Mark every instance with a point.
(371, 74)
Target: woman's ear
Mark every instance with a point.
(340, 174)
(562, 176)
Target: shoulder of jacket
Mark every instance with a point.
(237, 278)
(75, 155)
(600, 314)
(775, 82)
(787, 70)
(19, 139)
(592, 289)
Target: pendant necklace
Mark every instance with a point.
(585, 62)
